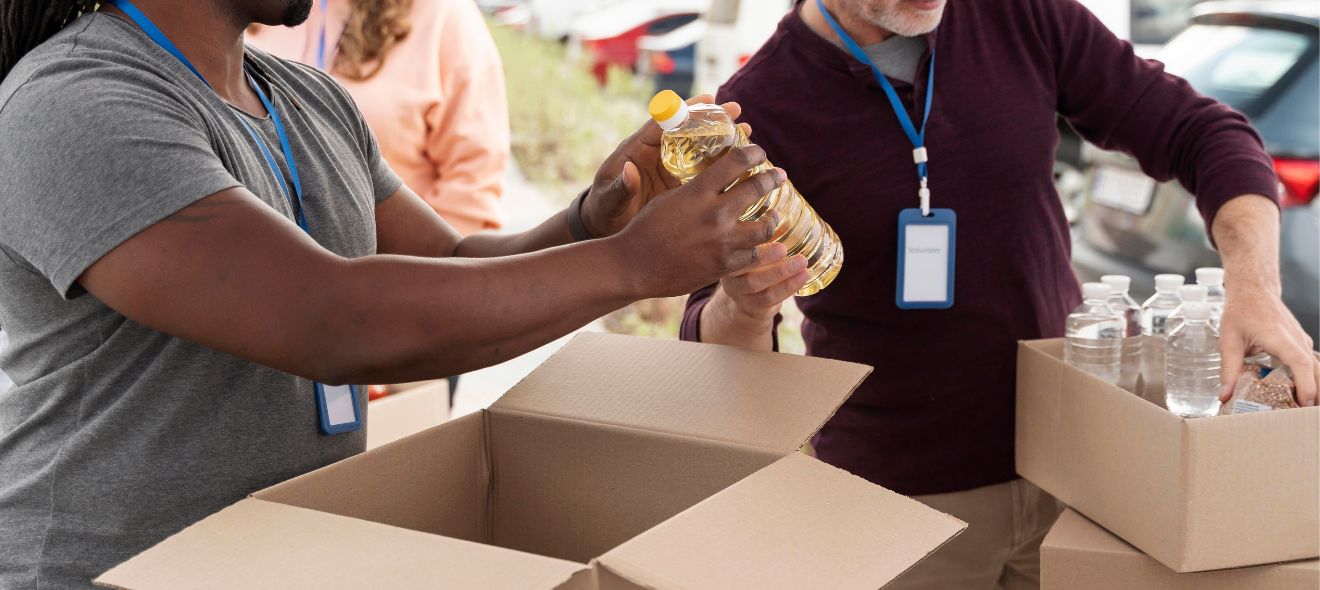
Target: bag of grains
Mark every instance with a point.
(1253, 393)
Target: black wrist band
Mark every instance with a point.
(575, 224)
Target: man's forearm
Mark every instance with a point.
(458, 315)
(550, 233)
(722, 323)
(1246, 229)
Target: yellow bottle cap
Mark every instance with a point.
(665, 105)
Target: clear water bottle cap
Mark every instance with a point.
(1096, 291)
(1210, 276)
(1192, 293)
(1168, 282)
(1196, 310)
(1119, 283)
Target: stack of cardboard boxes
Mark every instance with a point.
(1154, 497)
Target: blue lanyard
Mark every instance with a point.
(320, 43)
(917, 137)
(295, 199)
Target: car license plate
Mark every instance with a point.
(1125, 190)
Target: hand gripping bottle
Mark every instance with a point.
(695, 135)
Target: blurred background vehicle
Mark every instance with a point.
(1260, 58)
(1147, 24)
(553, 19)
(735, 29)
(609, 38)
(669, 59)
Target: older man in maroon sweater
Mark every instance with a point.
(935, 420)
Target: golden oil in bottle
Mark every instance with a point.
(695, 135)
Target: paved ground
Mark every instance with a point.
(525, 207)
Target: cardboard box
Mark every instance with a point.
(619, 463)
(407, 411)
(1199, 494)
(1079, 555)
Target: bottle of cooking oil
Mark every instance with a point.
(695, 135)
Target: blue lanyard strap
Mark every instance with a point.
(320, 43)
(295, 199)
(917, 137)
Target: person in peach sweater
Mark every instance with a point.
(428, 79)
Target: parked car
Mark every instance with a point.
(670, 59)
(1262, 59)
(735, 29)
(609, 38)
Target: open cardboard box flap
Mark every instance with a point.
(260, 544)
(772, 401)
(619, 463)
(798, 523)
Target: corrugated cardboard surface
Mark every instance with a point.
(257, 544)
(798, 523)
(1253, 479)
(764, 399)
(1193, 494)
(573, 490)
(407, 411)
(436, 481)
(603, 464)
(1080, 555)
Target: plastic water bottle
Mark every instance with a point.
(1212, 278)
(695, 135)
(1154, 317)
(1094, 341)
(1192, 364)
(1123, 304)
(1186, 294)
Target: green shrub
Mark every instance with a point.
(563, 123)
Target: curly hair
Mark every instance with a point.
(25, 24)
(373, 29)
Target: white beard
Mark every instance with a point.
(894, 17)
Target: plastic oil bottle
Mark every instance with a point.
(1122, 303)
(1193, 363)
(695, 135)
(1154, 326)
(1094, 341)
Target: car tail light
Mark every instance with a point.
(743, 59)
(661, 63)
(1300, 180)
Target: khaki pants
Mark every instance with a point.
(1000, 550)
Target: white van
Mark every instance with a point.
(735, 29)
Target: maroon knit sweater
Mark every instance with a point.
(937, 414)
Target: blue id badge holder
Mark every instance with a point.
(926, 251)
(338, 408)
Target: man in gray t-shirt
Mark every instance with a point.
(167, 318)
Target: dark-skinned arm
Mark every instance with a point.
(629, 179)
(230, 273)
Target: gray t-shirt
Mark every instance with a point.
(898, 56)
(116, 436)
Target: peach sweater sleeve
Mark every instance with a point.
(467, 135)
